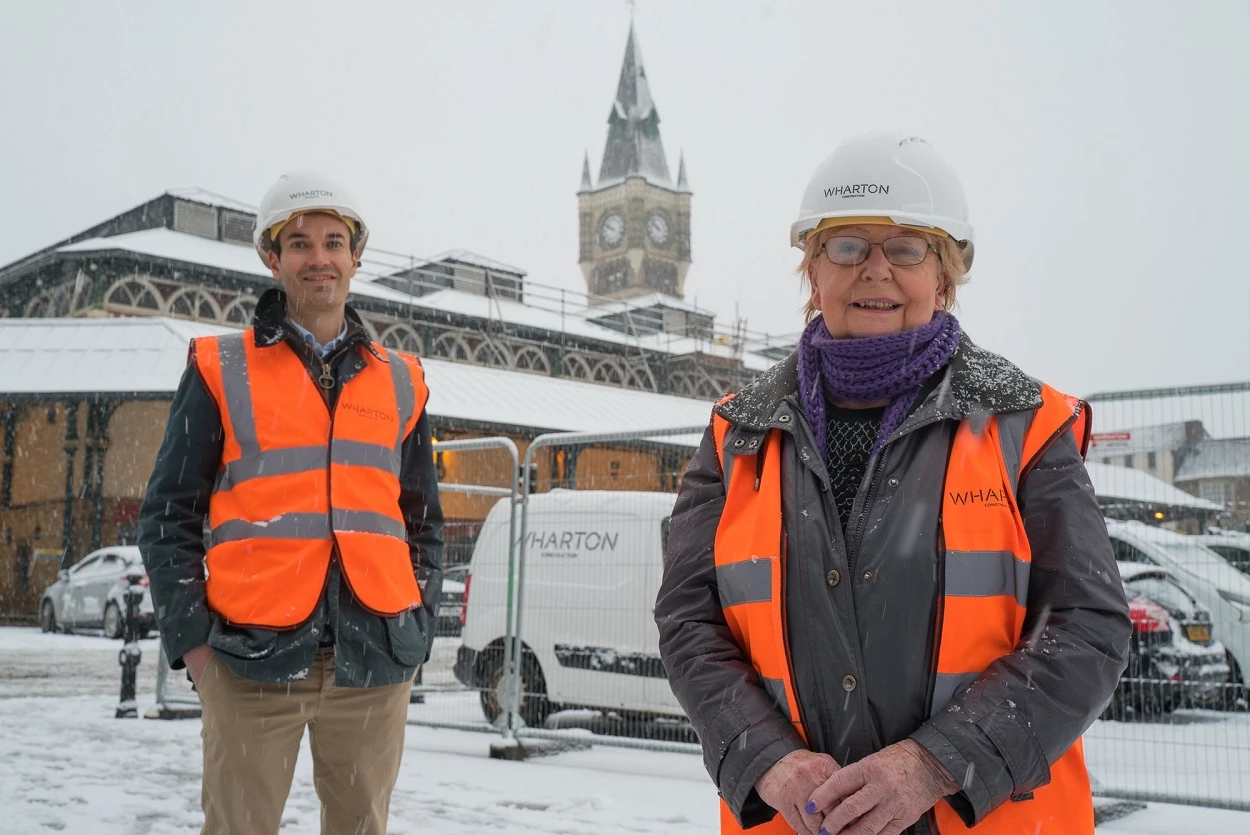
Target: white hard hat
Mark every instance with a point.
(300, 192)
(891, 176)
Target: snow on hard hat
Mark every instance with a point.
(300, 192)
(885, 177)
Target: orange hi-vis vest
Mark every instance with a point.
(297, 481)
(985, 567)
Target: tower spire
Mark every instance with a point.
(682, 185)
(587, 185)
(634, 148)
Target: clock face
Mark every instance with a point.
(657, 229)
(612, 230)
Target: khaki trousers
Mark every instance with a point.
(252, 732)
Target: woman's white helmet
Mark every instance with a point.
(886, 175)
(299, 192)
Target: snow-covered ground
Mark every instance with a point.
(67, 765)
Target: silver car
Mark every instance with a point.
(91, 594)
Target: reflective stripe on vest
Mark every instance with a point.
(295, 482)
(986, 564)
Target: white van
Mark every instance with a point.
(593, 565)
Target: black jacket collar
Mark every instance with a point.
(976, 383)
(270, 323)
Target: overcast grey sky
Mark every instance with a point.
(1103, 145)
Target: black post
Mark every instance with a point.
(71, 451)
(130, 654)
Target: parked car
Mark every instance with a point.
(91, 594)
(1219, 587)
(1173, 660)
(1233, 546)
(451, 606)
(593, 565)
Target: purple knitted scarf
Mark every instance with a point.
(893, 366)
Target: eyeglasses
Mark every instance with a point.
(901, 250)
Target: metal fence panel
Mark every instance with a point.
(1171, 469)
(589, 564)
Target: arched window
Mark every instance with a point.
(488, 353)
(134, 293)
(452, 346)
(576, 367)
(640, 378)
(609, 371)
(38, 307)
(682, 384)
(240, 311)
(402, 337)
(194, 303)
(529, 358)
(708, 389)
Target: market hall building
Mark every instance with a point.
(95, 329)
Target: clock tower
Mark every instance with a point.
(635, 223)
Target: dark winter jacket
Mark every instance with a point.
(370, 650)
(865, 604)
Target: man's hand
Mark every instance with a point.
(884, 793)
(196, 659)
(788, 784)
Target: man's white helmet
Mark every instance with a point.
(886, 175)
(300, 192)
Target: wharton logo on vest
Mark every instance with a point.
(985, 496)
(857, 190)
(370, 413)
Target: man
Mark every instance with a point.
(300, 450)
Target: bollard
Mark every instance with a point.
(130, 654)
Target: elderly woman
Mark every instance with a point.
(889, 602)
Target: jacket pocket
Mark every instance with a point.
(241, 642)
(406, 640)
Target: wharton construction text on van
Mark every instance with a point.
(577, 540)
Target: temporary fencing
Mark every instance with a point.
(1171, 470)
(451, 697)
(559, 637)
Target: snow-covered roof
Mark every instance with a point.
(148, 355)
(1128, 484)
(1216, 458)
(61, 356)
(640, 302)
(194, 250)
(211, 198)
(464, 256)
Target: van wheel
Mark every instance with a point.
(534, 705)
